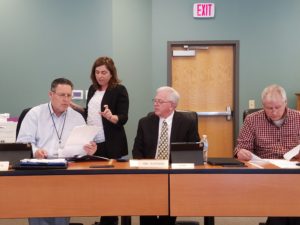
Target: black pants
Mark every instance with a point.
(283, 221)
(102, 150)
(157, 220)
(109, 220)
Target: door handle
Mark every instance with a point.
(227, 113)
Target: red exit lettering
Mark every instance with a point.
(204, 10)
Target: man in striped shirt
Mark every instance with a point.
(270, 133)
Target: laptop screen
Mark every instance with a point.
(186, 152)
(14, 152)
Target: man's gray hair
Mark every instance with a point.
(269, 91)
(173, 95)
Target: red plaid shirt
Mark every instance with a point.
(260, 136)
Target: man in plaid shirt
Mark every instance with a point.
(270, 133)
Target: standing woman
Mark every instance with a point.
(107, 107)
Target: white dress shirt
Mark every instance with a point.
(38, 128)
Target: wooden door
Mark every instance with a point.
(205, 75)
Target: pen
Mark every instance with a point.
(101, 166)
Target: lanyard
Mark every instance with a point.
(58, 136)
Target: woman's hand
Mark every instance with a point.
(107, 114)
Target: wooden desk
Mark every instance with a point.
(298, 101)
(81, 191)
(204, 191)
(235, 192)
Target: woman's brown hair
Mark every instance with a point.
(110, 65)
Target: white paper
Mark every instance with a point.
(282, 163)
(8, 132)
(255, 158)
(292, 153)
(257, 161)
(80, 136)
(4, 165)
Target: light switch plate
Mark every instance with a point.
(251, 104)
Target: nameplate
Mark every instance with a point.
(4, 165)
(183, 166)
(151, 163)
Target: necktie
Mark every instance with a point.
(163, 147)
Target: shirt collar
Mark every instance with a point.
(52, 112)
(168, 119)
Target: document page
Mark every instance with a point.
(292, 153)
(80, 136)
(282, 163)
(257, 161)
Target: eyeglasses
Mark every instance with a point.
(159, 101)
(62, 95)
(274, 108)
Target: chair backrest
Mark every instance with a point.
(21, 117)
(189, 114)
(249, 111)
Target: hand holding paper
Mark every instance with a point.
(80, 136)
(292, 153)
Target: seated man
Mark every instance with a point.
(47, 128)
(156, 131)
(270, 133)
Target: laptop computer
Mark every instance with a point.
(186, 152)
(224, 162)
(14, 152)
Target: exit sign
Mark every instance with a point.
(204, 10)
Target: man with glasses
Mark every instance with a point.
(47, 128)
(270, 133)
(178, 128)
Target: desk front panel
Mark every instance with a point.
(83, 195)
(234, 194)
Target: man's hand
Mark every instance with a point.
(297, 157)
(90, 148)
(244, 155)
(40, 154)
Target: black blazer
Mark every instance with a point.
(115, 138)
(184, 129)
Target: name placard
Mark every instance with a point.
(183, 166)
(149, 163)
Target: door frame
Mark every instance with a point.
(236, 47)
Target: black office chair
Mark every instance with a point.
(249, 111)
(21, 117)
